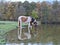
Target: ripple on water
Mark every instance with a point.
(32, 44)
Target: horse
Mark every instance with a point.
(26, 19)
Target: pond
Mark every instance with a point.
(47, 34)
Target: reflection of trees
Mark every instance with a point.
(48, 34)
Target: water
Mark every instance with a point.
(30, 44)
(46, 35)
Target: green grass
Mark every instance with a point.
(6, 26)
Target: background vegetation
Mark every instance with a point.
(44, 11)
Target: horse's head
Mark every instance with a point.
(33, 22)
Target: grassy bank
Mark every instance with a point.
(6, 26)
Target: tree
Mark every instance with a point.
(38, 5)
(38, 8)
(21, 11)
(55, 4)
(55, 7)
(10, 10)
(32, 6)
(45, 11)
(27, 8)
(34, 14)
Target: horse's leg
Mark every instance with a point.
(29, 28)
(29, 35)
(20, 31)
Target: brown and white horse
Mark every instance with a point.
(26, 19)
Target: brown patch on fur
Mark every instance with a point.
(24, 19)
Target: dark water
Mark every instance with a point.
(46, 35)
(50, 33)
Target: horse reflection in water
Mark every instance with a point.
(30, 22)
